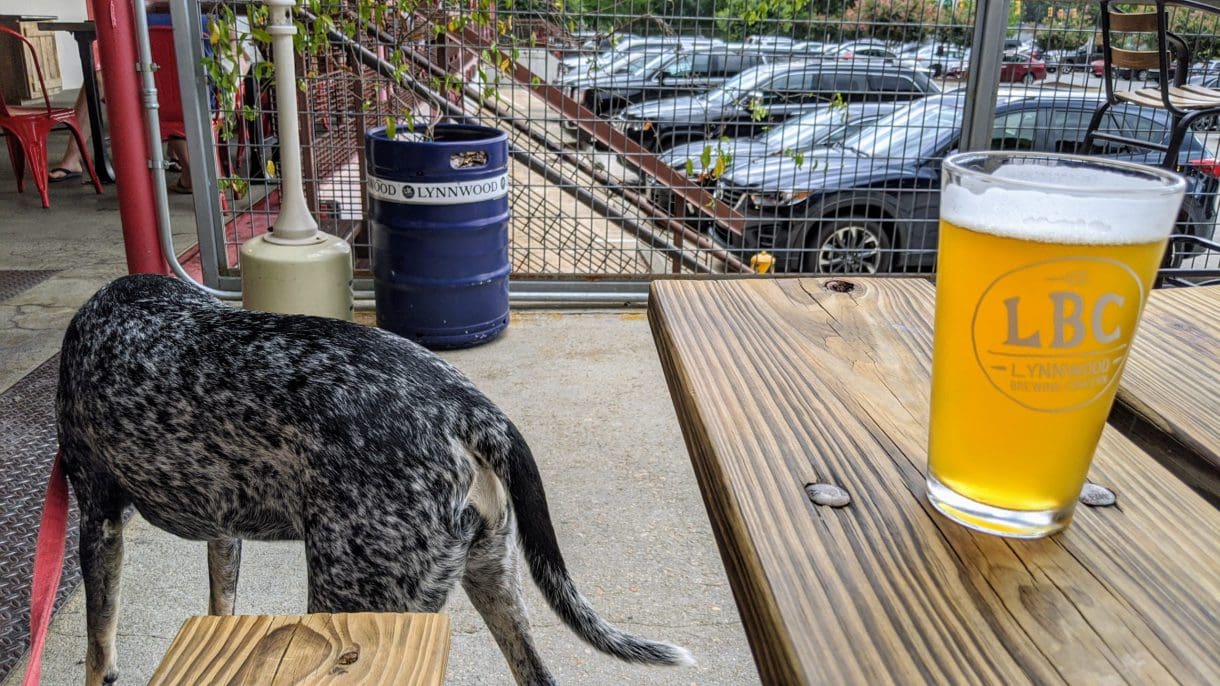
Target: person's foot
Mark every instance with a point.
(180, 186)
(58, 174)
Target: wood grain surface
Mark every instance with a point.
(361, 648)
(782, 383)
(1169, 398)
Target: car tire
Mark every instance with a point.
(1141, 75)
(937, 71)
(1028, 79)
(1066, 69)
(847, 245)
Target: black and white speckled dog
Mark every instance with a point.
(220, 424)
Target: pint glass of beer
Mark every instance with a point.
(1045, 263)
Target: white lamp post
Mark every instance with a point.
(295, 268)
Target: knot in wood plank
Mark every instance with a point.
(1097, 496)
(839, 286)
(828, 495)
(350, 655)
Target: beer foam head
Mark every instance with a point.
(1063, 204)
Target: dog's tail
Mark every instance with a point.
(551, 574)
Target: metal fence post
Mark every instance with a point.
(983, 79)
(200, 141)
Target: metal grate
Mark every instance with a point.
(27, 447)
(826, 119)
(14, 281)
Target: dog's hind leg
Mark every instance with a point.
(493, 584)
(101, 561)
(224, 563)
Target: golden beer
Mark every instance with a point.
(1038, 298)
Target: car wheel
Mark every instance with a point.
(1028, 79)
(852, 245)
(1066, 69)
(1141, 75)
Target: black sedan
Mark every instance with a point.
(762, 97)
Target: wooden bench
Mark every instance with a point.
(804, 404)
(265, 650)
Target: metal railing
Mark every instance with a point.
(690, 140)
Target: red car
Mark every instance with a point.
(1127, 73)
(1021, 67)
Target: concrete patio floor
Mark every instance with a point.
(584, 386)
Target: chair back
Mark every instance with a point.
(1142, 24)
(42, 85)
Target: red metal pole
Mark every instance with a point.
(117, 50)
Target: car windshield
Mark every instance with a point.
(647, 63)
(617, 64)
(736, 87)
(799, 133)
(907, 133)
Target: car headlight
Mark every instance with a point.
(782, 199)
(635, 125)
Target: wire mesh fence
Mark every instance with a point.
(651, 138)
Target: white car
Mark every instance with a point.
(939, 60)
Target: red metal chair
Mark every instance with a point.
(29, 128)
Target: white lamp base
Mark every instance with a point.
(312, 278)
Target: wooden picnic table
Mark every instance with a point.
(784, 384)
(1169, 399)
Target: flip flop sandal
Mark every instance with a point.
(173, 167)
(177, 187)
(68, 175)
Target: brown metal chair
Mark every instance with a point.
(1170, 58)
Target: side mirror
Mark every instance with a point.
(748, 99)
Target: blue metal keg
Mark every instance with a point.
(439, 231)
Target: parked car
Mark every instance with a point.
(771, 41)
(673, 73)
(1099, 68)
(704, 161)
(575, 43)
(777, 52)
(1069, 61)
(870, 203)
(586, 64)
(625, 62)
(789, 138)
(854, 46)
(939, 60)
(762, 97)
(1021, 67)
(862, 53)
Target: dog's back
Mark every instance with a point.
(219, 423)
(223, 422)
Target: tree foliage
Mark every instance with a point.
(907, 20)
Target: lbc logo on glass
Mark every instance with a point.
(1073, 316)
